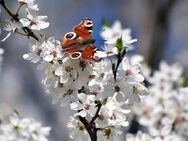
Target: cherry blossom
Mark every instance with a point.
(140, 136)
(10, 27)
(77, 129)
(23, 129)
(156, 112)
(111, 34)
(30, 4)
(34, 22)
(85, 105)
(101, 91)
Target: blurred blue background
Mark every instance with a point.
(159, 25)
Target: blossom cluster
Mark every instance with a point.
(102, 90)
(86, 84)
(140, 136)
(99, 90)
(30, 20)
(164, 111)
(15, 128)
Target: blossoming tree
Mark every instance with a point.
(102, 87)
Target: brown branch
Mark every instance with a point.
(92, 131)
(19, 8)
(2, 2)
(99, 105)
(15, 17)
(90, 126)
(119, 59)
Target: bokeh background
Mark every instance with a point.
(161, 27)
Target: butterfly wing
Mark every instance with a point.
(70, 42)
(84, 28)
(88, 52)
(79, 43)
(72, 45)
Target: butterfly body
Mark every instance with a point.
(79, 42)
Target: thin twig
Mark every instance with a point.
(18, 32)
(117, 66)
(15, 17)
(120, 58)
(92, 131)
(90, 126)
(96, 114)
(21, 4)
(2, 2)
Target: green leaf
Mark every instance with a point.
(17, 113)
(105, 22)
(185, 80)
(119, 44)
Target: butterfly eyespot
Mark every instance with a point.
(70, 35)
(90, 31)
(88, 23)
(75, 55)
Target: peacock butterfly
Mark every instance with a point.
(79, 43)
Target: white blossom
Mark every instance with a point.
(67, 71)
(34, 22)
(30, 4)
(111, 34)
(140, 136)
(85, 105)
(94, 90)
(77, 129)
(156, 112)
(172, 72)
(38, 133)
(10, 27)
(35, 54)
(112, 114)
(130, 92)
(132, 72)
(49, 51)
(101, 72)
(111, 118)
(23, 129)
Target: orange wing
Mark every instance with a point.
(88, 52)
(70, 42)
(78, 43)
(84, 28)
